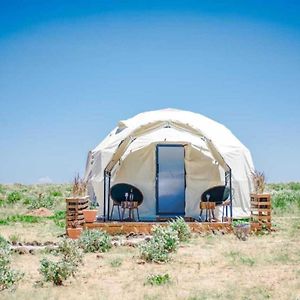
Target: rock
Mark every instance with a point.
(47, 243)
(140, 262)
(131, 234)
(116, 243)
(22, 250)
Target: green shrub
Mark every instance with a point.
(294, 186)
(70, 251)
(153, 251)
(3, 243)
(284, 199)
(43, 201)
(158, 279)
(163, 241)
(117, 262)
(59, 215)
(56, 193)
(182, 228)
(70, 259)
(167, 236)
(95, 241)
(59, 218)
(13, 197)
(56, 272)
(8, 276)
(26, 200)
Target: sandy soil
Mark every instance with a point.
(40, 212)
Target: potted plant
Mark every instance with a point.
(74, 231)
(75, 205)
(91, 213)
(259, 182)
(260, 203)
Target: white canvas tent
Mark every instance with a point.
(128, 155)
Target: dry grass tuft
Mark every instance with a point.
(259, 181)
(79, 186)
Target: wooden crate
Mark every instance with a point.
(74, 208)
(261, 209)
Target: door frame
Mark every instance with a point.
(157, 178)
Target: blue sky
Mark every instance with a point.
(69, 70)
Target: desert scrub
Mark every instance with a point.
(294, 186)
(154, 251)
(182, 228)
(95, 241)
(285, 199)
(167, 237)
(14, 197)
(41, 201)
(8, 277)
(116, 262)
(56, 193)
(56, 272)
(163, 241)
(70, 251)
(158, 279)
(70, 257)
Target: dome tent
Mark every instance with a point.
(145, 149)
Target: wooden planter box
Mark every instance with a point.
(261, 210)
(74, 208)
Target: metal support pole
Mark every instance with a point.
(104, 198)
(228, 182)
(108, 196)
(230, 187)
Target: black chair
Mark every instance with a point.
(218, 195)
(118, 194)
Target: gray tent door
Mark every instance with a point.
(170, 180)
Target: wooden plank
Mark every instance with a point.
(268, 210)
(261, 217)
(72, 218)
(80, 206)
(146, 227)
(260, 203)
(260, 195)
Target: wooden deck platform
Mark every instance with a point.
(145, 227)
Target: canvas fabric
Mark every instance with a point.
(129, 152)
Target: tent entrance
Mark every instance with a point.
(170, 180)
